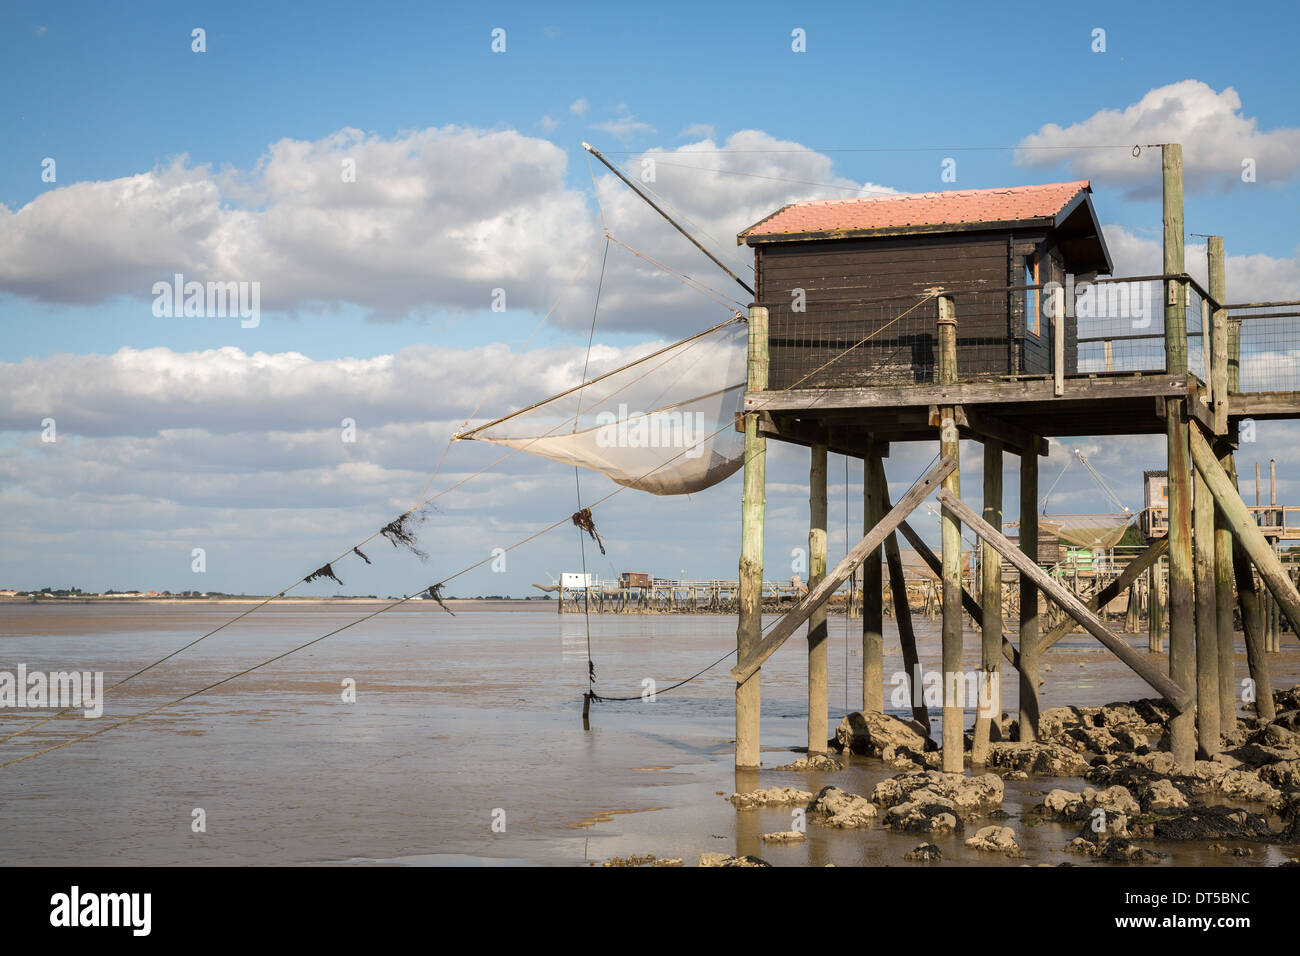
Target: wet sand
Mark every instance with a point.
(457, 718)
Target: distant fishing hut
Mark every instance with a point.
(988, 315)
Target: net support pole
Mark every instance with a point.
(749, 631)
(1182, 612)
(950, 555)
(818, 703)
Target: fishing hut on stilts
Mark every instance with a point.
(974, 315)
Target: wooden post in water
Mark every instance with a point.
(1155, 609)
(954, 756)
(1223, 574)
(1029, 627)
(990, 702)
(750, 580)
(1182, 616)
(873, 626)
(1207, 630)
(818, 734)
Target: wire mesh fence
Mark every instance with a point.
(1111, 326)
(1264, 347)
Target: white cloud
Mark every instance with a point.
(1254, 277)
(435, 220)
(547, 123)
(579, 106)
(623, 125)
(699, 131)
(1216, 137)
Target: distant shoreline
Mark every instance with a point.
(258, 598)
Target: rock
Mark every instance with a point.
(925, 853)
(771, 797)
(834, 807)
(1159, 796)
(1284, 775)
(995, 840)
(1117, 849)
(1212, 823)
(1048, 759)
(1015, 775)
(1113, 800)
(927, 813)
(1106, 811)
(721, 859)
(871, 732)
(1222, 850)
(1120, 850)
(815, 762)
(786, 836)
(1061, 805)
(1243, 785)
(970, 797)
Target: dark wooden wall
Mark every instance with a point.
(844, 281)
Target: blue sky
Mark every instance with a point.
(112, 93)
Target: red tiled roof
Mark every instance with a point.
(956, 207)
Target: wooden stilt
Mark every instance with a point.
(902, 610)
(954, 757)
(873, 641)
(1182, 620)
(1207, 629)
(818, 704)
(1220, 368)
(749, 631)
(1029, 637)
(990, 703)
(1155, 608)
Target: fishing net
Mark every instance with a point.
(663, 423)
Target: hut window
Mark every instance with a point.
(1031, 295)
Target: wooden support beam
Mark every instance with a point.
(749, 585)
(1182, 620)
(1245, 531)
(873, 611)
(968, 602)
(953, 730)
(1207, 628)
(1155, 607)
(965, 393)
(794, 618)
(1030, 648)
(818, 702)
(1177, 696)
(991, 605)
(1153, 553)
(902, 609)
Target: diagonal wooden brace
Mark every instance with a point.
(1063, 596)
(797, 615)
(1244, 529)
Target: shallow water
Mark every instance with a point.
(459, 721)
